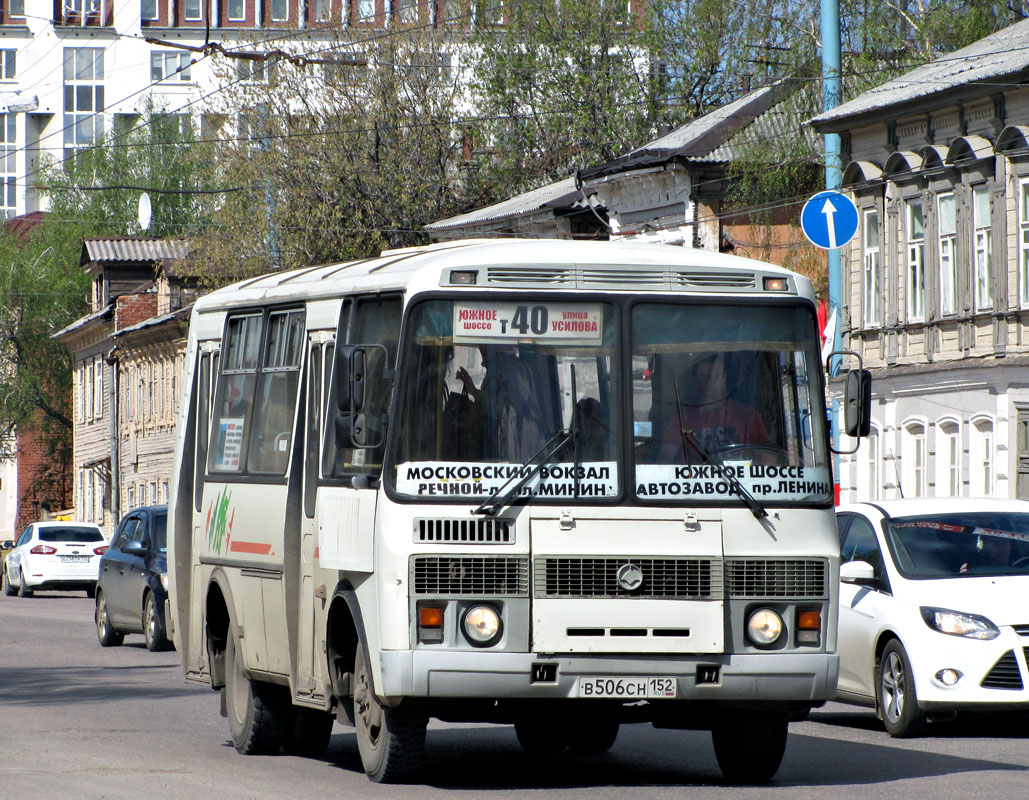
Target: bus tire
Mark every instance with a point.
(541, 736)
(308, 731)
(592, 735)
(749, 745)
(390, 740)
(105, 634)
(256, 710)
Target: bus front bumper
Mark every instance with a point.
(788, 677)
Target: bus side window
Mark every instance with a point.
(203, 429)
(376, 320)
(276, 400)
(241, 352)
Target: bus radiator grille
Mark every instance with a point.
(763, 577)
(506, 576)
(686, 578)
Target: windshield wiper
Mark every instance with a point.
(498, 501)
(689, 439)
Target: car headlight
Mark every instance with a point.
(764, 627)
(482, 626)
(955, 623)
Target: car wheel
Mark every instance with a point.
(23, 588)
(390, 740)
(749, 745)
(105, 634)
(256, 710)
(9, 590)
(541, 736)
(592, 735)
(897, 699)
(308, 731)
(153, 633)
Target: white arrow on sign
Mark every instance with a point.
(829, 209)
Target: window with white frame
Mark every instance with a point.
(74, 8)
(872, 269)
(8, 63)
(365, 11)
(130, 496)
(406, 10)
(1023, 241)
(280, 10)
(83, 98)
(16, 8)
(872, 471)
(913, 458)
(8, 163)
(236, 10)
(947, 238)
(148, 10)
(191, 10)
(915, 261)
(87, 371)
(980, 458)
(948, 459)
(98, 388)
(169, 66)
(322, 10)
(257, 71)
(982, 246)
(164, 492)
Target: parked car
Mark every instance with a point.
(54, 555)
(133, 581)
(933, 613)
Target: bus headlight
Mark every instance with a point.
(482, 626)
(764, 627)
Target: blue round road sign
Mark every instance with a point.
(829, 220)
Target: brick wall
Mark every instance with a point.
(134, 308)
(44, 475)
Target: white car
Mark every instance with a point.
(933, 607)
(55, 555)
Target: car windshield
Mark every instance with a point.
(161, 532)
(957, 545)
(70, 534)
(488, 383)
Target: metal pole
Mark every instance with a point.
(833, 178)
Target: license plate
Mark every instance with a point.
(624, 687)
(75, 559)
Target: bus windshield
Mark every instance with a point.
(723, 391)
(488, 383)
(724, 397)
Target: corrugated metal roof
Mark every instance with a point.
(1002, 53)
(526, 203)
(134, 248)
(83, 321)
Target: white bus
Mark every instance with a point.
(559, 485)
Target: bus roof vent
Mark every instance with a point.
(464, 531)
(636, 279)
(714, 280)
(531, 276)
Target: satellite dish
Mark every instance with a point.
(145, 211)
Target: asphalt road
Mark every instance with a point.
(78, 721)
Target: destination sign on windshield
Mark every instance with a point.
(494, 320)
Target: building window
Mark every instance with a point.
(191, 9)
(279, 10)
(8, 64)
(83, 98)
(148, 11)
(406, 10)
(237, 10)
(322, 10)
(365, 11)
(87, 369)
(16, 8)
(947, 241)
(8, 175)
(76, 8)
(1023, 241)
(98, 388)
(130, 497)
(948, 460)
(169, 66)
(981, 247)
(980, 459)
(872, 269)
(253, 70)
(915, 261)
(913, 459)
(872, 464)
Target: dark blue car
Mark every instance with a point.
(133, 583)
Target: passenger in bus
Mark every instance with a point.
(509, 410)
(708, 409)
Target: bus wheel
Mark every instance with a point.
(592, 735)
(307, 732)
(257, 711)
(541, 736)
(749, 745)
(390, 740)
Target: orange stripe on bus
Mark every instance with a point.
(250, 547)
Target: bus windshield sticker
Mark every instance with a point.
(456, 478)
(498, 321)
(691, 481)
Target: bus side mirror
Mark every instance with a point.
(351, 377)
(857, 403)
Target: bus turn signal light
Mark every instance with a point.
(429, 617)
(809, 626)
